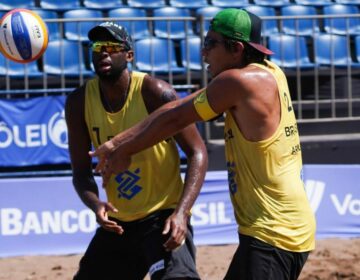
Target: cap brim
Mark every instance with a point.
(261, 48)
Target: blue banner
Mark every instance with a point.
(45, 215)
(33, 131)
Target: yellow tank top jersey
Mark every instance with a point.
(265, 181)
(153, 180)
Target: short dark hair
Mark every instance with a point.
(251, 55)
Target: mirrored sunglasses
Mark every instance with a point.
(109, 47)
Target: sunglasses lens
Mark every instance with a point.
(109, 47)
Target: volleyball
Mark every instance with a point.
(23, 36)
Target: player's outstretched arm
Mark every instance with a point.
(83, 179)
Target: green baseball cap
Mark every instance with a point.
(239, 25)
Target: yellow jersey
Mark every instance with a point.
(265, 181)
(153, 180)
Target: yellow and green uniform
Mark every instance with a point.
(265, 183)
(153, 180)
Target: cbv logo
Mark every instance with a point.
(314, 191)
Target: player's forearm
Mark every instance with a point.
(87, 191)
(160, 125)
(194, 179)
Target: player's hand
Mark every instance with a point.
(101, 213)
(102, 152)
(176, 224)
(111, 161)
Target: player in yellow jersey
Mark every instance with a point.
(145, 225)
(263, 152)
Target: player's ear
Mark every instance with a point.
(238, 47)
(129, 56)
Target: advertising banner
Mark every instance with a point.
(45, 215)
(33, 131)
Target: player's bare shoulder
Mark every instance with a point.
(157, 92)
(75, 101)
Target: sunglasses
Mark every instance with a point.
(210, 43)
(109, 47)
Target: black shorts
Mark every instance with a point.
(136, 252)
(257, 260)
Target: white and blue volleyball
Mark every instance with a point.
(23, 35)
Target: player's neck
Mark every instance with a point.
(114, 95)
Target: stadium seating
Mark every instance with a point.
(138, 29)
(78, 30)
(207, 12)
(103, 4)
(351, 2)
(156, 55)
(331, 49)
(18, 70)
(174, 29)
(146, 3)
(314, 2)
(230, 3)
(299, 26)
(7, 5)
(274, 3)
(53, 27)
(357, 48)
(191, 53)
(62, 5)
(341, 25)
(188, 3)
(64, 57)
(290, 51)
(269, 26)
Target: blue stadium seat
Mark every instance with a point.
(207, 12)
(190, 4)
(269, 26)
(103, 4)
(18, 70)
(341, 25)
(230, 3)
(290, 51)
(7, 5)
(156, 55)
(357, 48)
(299, 26)
(174, 29)
(191, 57)
(314, 2)
(350, 2)
(331, 49)
(137, 29)
(273, 3)
(62, 5)
(64, 57)
(78, 30)
(53, 27)
(145, 4)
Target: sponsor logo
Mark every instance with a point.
(128, 187)
(314, 191)
(14, 221)
(211, 213)
(347, 205)
(231, 177)
(156, 267)
(57, 130)
(36, 135)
